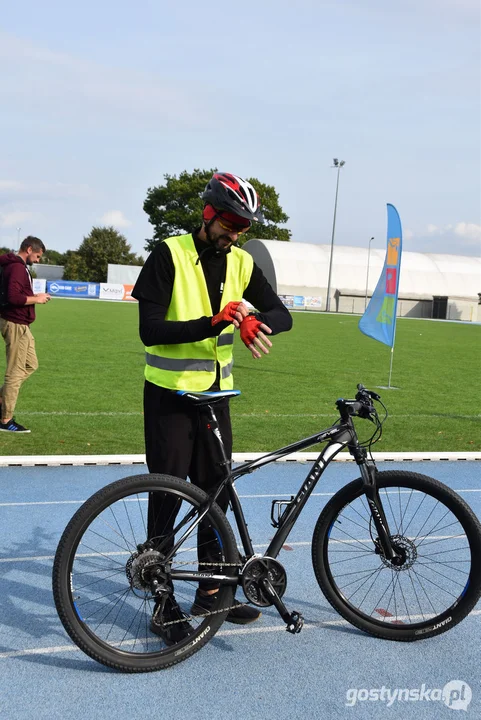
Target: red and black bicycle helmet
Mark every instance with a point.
(230, 193)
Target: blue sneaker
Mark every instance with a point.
(13, 427)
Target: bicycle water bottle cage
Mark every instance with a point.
(278, 510)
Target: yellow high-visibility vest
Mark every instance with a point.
(192, 366)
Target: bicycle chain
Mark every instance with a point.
(187, 618)
(217, 564)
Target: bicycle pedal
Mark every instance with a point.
(295, 623)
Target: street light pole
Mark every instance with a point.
(18, 238)
(367, 274)
(337, 164)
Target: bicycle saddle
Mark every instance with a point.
(208, 397)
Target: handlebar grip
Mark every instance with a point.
(364, 391)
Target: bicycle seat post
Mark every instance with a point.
(213, 425)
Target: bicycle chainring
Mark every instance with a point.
(254, 571)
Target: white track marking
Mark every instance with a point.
(258, 546)
(222, 633)
(244, 497)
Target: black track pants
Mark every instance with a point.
(178, 442)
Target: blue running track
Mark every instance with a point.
(259, 672)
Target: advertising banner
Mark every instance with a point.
(299, 301)
(65, 288)
(314, 302)
(116, 291)
(128, 293)
(111, 291)
(288, 300)
(39, 285)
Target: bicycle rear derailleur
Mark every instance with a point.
(264, 582)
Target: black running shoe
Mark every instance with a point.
(239, 615)
(13, 427)
(170, 634)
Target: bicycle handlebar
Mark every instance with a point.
(361, 407)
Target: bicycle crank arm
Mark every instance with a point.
(294, 620)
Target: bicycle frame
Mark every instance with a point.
(338, 437)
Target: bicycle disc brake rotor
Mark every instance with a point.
(254, 571)
(406, 550)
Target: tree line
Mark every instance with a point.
(173, 208)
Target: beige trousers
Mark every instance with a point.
(21, 363)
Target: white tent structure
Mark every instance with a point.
(431, 285)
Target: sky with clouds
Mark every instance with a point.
(101, 99)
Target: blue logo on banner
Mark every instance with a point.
(73, 289)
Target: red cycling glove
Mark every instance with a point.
(249, 328)
(227, 314)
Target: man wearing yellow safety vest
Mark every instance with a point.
(190, 293)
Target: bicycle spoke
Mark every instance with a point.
(336, 562)
(426, 565)
(120, 531)
(356, 540)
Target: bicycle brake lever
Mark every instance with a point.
(366, 412)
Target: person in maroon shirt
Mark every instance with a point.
(15, 320)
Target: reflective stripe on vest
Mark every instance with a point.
(178, 365)
(192, 366)
(225, 339)
(227, 370)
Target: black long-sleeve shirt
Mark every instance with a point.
(153, 290)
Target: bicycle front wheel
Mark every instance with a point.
(106, 561)
(438, 537)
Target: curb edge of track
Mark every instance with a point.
(86, 460)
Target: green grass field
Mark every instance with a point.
(86, 397)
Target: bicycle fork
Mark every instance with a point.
(368, 474)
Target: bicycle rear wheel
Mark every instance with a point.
(436, 533)
(103, 570)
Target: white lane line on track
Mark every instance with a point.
(222, 633)
(276, 495)
(258, 546)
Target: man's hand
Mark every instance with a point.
(42, 298)
(234, 312)
(252, 335)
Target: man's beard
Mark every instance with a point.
(215, 242)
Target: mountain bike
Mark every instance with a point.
(396, 553)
